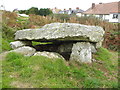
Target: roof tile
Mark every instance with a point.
(104, 8)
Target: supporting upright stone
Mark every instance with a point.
(81, 52)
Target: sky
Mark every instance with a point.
(10, 5)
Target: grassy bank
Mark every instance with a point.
(41, 72)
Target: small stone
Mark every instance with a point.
(17, 44)
(25, 50)
(48, 54)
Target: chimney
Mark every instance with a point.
(70, 9)
(118, 7)
(55, 7)
(93, 5)
(100, 3)
(77, 8)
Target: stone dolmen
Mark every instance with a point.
(68, 40)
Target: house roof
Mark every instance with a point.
(74, 11)
(104, 8)
(55, 10)
(78, 11)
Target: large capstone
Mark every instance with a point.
(62, 32)
(81, 52)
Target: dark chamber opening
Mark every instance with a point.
(66, 55)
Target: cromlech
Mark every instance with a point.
(69, 41)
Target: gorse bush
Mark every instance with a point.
(7, 32)
(37, 20)
(61, 17)
(9, 18)
(7, 37)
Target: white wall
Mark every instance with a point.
(119, 17)
(108, 17)
(79, 14)
(111, 19)
(103, 17)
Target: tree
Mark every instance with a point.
(45, 12)
(33, 10)
(22, 11)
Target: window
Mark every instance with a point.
(101, 16)
(115, 16)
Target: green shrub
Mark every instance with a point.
(6, 44)
(7, 32)
(7, 37)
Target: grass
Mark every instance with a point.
(42, 43)
(6, 44)
(41, 72)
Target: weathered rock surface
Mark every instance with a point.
(17, 44)
(93, 49)
(25, 50)
(48, 54)
(62, 32)
(81, 52)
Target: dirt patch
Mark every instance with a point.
(36, 68)
(19, 84)
(3, 55)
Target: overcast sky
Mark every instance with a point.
(61, 4)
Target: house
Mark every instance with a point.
(106, 11)
(71, 11)
(78, 11)
(63, 11)
(56, 10)
(2, 7)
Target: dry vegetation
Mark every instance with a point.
(11, 19)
